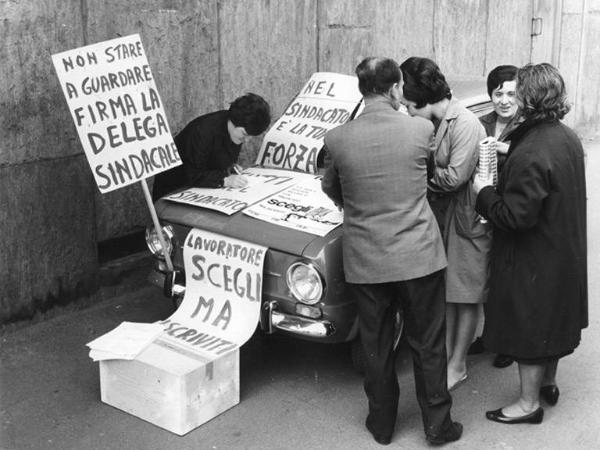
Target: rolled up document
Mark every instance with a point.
(488, 160)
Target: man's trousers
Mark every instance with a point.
(421, 303)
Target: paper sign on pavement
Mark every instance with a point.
(221, 305)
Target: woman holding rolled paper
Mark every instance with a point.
(501, 86)
(466, 238)
(498, 124)
(538, 301)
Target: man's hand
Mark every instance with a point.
(235, 181)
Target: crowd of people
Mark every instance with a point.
(431, 233)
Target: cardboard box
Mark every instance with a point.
(171, 388)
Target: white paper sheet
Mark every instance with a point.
(126, 341)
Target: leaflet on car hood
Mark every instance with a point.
(302, 206)
(288, 199)
(262, 183)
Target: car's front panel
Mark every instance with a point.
(331, 318)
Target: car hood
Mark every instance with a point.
(242, 227)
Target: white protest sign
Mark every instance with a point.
(302, 206)
(262, 183)
(221, 305)
(117, 111)
(326, 101)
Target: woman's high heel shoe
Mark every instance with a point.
(550, 394)
(535, 417)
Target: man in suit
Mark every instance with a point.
(393, 255)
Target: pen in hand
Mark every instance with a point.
(236, 179)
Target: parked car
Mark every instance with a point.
(304, 292)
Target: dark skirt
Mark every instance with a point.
(541, 361)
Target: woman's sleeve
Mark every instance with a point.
(518, 208)
(464, 136)
(198, 152)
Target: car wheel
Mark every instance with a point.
(359, 359)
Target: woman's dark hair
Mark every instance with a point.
(541, 92)
(376, 76)
(251, 112)
(424, 82)
(499, 75)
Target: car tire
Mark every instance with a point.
(359, 358)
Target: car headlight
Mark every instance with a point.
(305, 283)
(153, 242)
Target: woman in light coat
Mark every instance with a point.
(466, 238)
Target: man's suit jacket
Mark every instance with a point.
(376, 168)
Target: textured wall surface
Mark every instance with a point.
(266, 47)
(203, 54)
(588, 111)
(579, 60)
(47, 222)
(180, 39)
(34, 121)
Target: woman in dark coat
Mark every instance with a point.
(537, 302)
(209, 147)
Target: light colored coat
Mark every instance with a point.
(466, 238)
(376, 168)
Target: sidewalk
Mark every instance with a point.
(294, 394)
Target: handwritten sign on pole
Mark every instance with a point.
(221, 305)
(326, 101)
(117, 111)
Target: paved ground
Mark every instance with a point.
(293, 394)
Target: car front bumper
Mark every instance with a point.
(271, 317)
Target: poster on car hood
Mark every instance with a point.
(261, 183)
(118, 114)
(326, 101)
(302, 207)
(221, 306)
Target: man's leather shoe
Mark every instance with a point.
(550, 394)
(502, 361)
(498, 416)
(379, 438)
(453, 433)
(383, 440)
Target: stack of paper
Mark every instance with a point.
(124, 342)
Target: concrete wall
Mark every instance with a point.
(579, 61)
(571, 32)
(203, 54)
